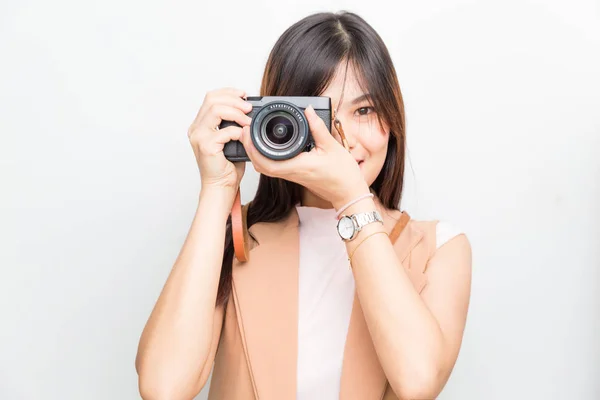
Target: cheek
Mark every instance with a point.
(376, 146)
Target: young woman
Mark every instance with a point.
(313, 314)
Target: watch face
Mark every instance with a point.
(345, 227)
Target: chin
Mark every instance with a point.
(368, 172)
(367, 176)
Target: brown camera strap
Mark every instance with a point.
(239, 229)
(399, 227)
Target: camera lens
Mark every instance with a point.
(280, 130)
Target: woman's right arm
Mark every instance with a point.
(179, 341)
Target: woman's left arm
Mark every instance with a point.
(417, 337)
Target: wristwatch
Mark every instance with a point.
(349, 225)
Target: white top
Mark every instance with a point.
(326, 294)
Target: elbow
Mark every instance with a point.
(163, 392)
(151, 389)
(153, 392)
(420, 384)
(162, 379)
(162, 387)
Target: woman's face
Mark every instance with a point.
(367, 140)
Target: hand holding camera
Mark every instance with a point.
(208, 142)
(278, 147)
(283, 136)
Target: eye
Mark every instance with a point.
(364, 111)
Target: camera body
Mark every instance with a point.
(279, 129)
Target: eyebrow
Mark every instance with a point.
(361, 98)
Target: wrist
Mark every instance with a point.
(350, 195)
(218, 199)
(364, 205)
(359, 217)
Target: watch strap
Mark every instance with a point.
(366, 218)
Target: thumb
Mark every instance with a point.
(318, 129)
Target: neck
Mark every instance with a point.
(309, 199)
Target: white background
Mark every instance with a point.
(99, 183)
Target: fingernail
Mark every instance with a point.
(310, 109)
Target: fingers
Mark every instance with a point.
(303, 163)
(227, 96)
(228, 100)
(225, 135)
(220, 112)
(210, 143)
(318, 129)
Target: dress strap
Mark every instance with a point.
(399, 227)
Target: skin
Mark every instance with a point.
(367, 140)
(417, 337)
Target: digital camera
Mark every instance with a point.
(279, 129)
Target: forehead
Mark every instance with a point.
(352, 85)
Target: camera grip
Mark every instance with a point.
(225, 124)
(325, 115)
(234, 151)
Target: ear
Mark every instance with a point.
(318, 129)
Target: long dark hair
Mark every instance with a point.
(302, 63)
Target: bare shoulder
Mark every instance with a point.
(441, 232)
(446, 254)
(449, 264)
